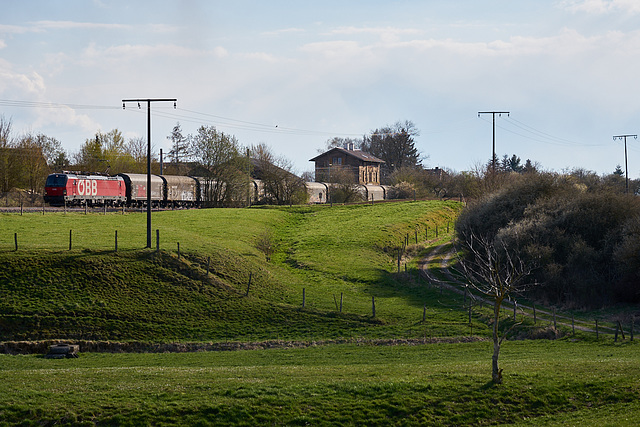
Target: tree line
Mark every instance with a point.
(579, 232)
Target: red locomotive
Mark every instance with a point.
(77, 189)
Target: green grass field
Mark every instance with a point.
(546, 383)
(137, 298)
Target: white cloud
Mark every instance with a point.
(599, 7)
(71, 25)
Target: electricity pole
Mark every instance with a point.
(493, 113)
(149, 101)
(626, 167)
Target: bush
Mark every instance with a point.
(587, 243)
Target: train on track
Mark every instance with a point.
(130, 189)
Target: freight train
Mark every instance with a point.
(130, 189)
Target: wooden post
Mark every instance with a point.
(116, 241)
(405, 268)
(335, 301)
(615, 338)
(122, 209)
(248, 285)
(632, 321)
(416, 237)
(303, 297)
(534, 314)
(436, 231)
(373, 305)
(209, 261)
(469, 312)
(85, 207)
(555, 326)
(157, 240)
(447, 227)
(515, 307)
(596, 329)
(341, 294)
(178, 250)
(621, 330)
(398, 261)
(69, 239)
(21, 207)
(15, 239)
(573, 326)
(42, 207)
(424, 313)
(426, 233)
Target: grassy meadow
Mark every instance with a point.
(328, 366)
(546, 383)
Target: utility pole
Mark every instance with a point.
(493, 113)
(626, 167)
(149, 101)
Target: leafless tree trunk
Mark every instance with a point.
(495, 272)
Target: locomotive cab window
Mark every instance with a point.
(56, 181)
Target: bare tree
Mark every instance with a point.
(497, 273)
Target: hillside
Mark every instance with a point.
(92, 292)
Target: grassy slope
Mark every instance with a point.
(91, 292)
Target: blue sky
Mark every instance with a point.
(293, 74)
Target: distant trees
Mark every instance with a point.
(395, 145)
(110, 153)
(281, 185)
(224, 168)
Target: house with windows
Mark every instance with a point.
(355, 165)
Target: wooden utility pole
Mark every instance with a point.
(626, 167)
(149, 101)
(493, 114)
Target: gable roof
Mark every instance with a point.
(358, 154)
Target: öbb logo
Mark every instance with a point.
(87, 187)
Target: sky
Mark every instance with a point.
(293, 74)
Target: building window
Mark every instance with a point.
(337, 161)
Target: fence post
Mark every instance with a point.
(70, 239)
(436, 231)
(398, 261)
(632, 322)
(469, 312)
(424, 313)
(341, 294)
(515, 307)
(248, 285)
(85, 207)
(373, 305)
(554, 319)
(208, 261)
(116, 241)
(447, 227)
(43, 207)
(596, 329)
(416, 237)
(21, 208)
(178, 250)
(15, 238)
(573, 326)
(426, 233)
(304, 297)
(157, 240)
(534, 314)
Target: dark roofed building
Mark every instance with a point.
(364, 167)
